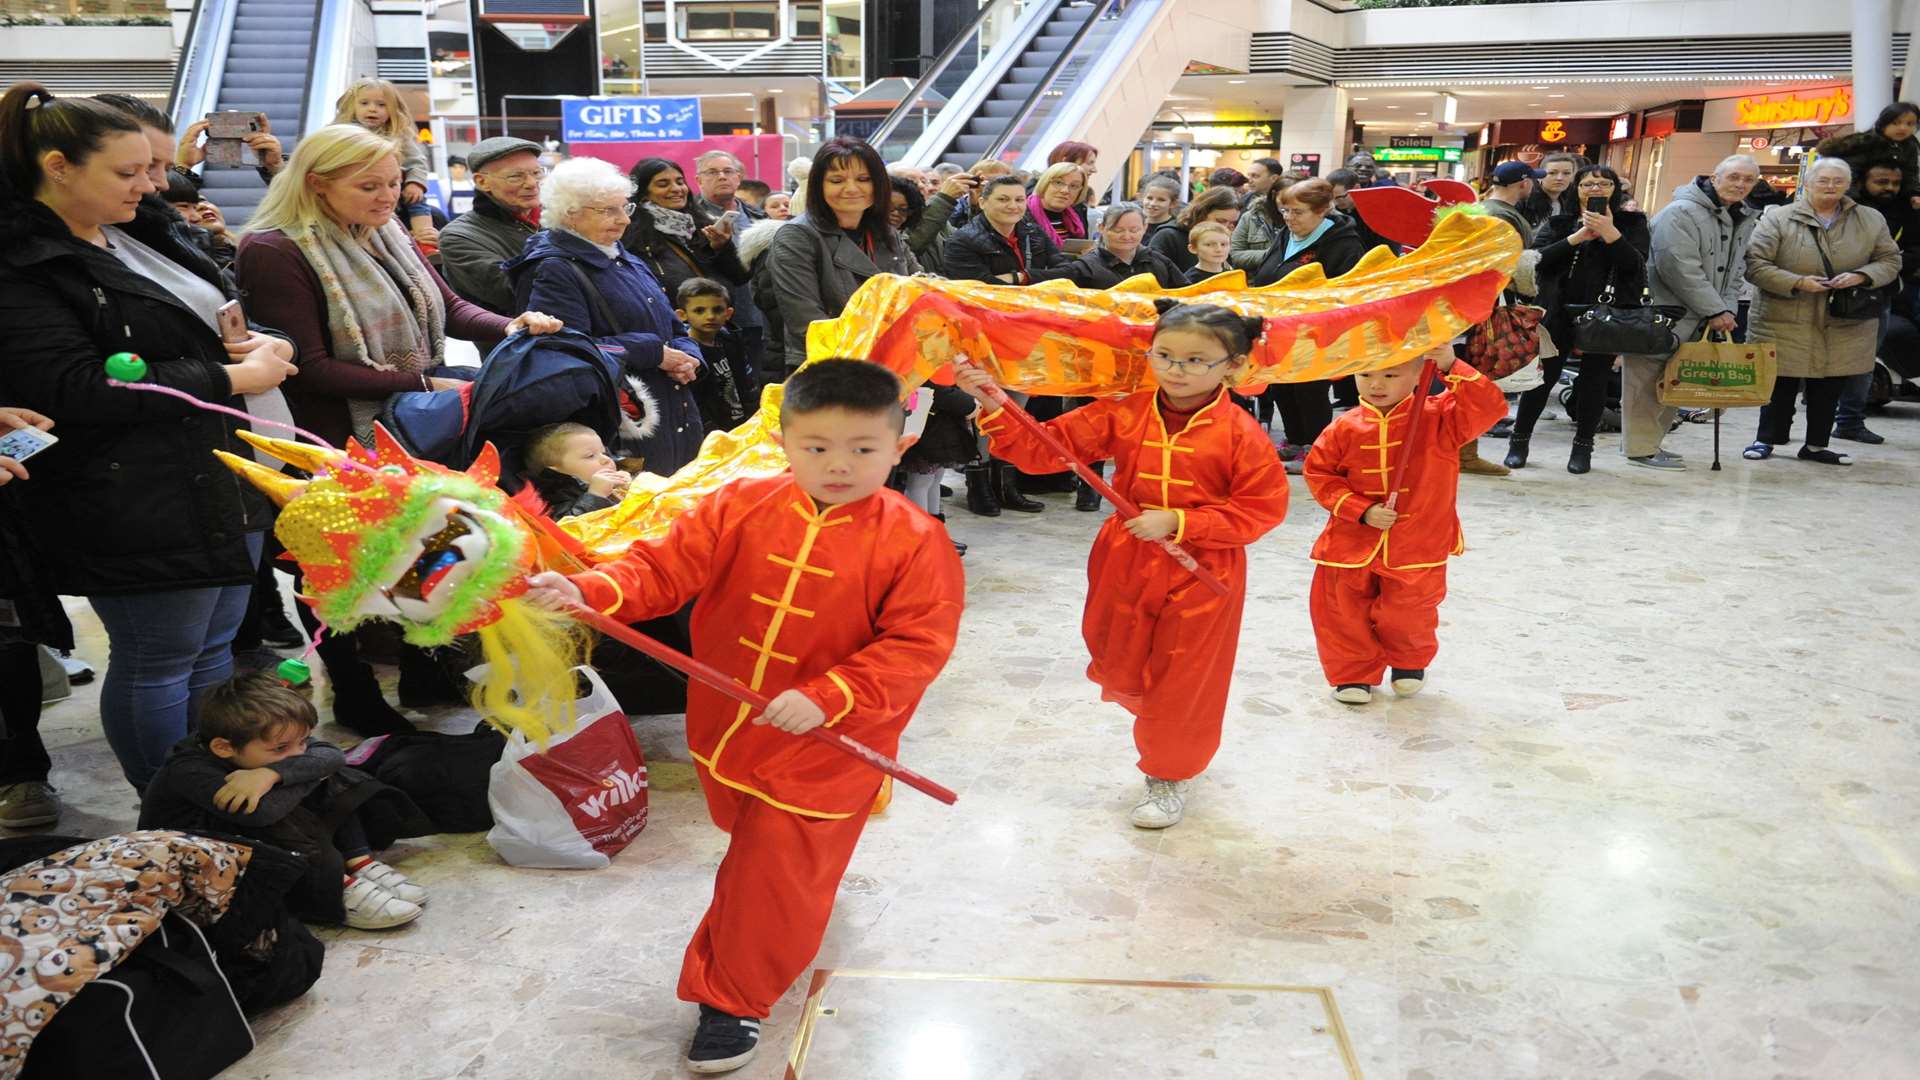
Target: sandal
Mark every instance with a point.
(1758, 451)
(1824, 456)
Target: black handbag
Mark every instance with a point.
(1857, 302)
(1608, 330)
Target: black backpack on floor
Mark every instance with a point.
(165, 1012)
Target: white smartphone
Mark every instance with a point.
(22, 443)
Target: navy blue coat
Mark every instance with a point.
(643, 327)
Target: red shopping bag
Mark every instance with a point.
(580, 801)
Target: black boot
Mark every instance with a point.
(1009, 489)
(981, 497)
(358, 704)
(425, 680)
(1084, 497)
(1581, 460)
(1517, 451)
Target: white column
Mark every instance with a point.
(1872, 60)
(1315, 122)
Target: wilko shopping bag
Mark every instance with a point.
(1719, 375)
(580, 801)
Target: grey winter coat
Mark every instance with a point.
(1699, 256)
(815, 269)
(1813, 344)
(1253, 237)
(473, 246)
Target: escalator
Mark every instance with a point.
(289, 59)
(1024, 77)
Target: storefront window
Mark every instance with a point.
(843, 42)
(728, 22)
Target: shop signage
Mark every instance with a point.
(630, 119)
(1308, 162)
(1447, 154)
(1620, 128)
(1819, 107)
(1557, 134)
(1409, 140)
(1553, 131)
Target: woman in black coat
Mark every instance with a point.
(1585, 258)
(1121, 253)
(677, 239)
(130, 508)
(1313, 234)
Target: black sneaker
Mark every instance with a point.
(722, 1043)
(1859, 434)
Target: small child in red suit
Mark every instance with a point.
(838, 599)
(1383, 571)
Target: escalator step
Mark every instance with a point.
(288, 25)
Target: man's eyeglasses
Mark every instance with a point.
(518, 176)
(718, 172)
(611, 211)
(1184, 367)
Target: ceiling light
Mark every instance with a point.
(1538, 88)
(1235, 82)
(776, 90)
(1533, 104)
(1419, 114)
(1556, 95)
(1393, 106)
(1359, 99)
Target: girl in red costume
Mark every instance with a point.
(1383, 569)
(1204, 475)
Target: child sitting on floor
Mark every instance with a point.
(569, 468)
(253, 769)
(1383, 560)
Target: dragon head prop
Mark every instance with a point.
(380, 534)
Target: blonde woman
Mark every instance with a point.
(324, 260)
(1055, 203)
(376, 104)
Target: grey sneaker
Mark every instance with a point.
(1165, 804)
(1666, 453)
(1655, 461)
(28, 804)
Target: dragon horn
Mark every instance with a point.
(278, 486)
(300, 455)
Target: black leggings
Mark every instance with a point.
(1776, 417)
(1305, 410)
(23, 757)
(1590, 386)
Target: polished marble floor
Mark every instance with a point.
(1656, 818)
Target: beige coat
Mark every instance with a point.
(1812, 344)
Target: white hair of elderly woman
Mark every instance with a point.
(578, 182)
(1829, 164)
(1734, 161)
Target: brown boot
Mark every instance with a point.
(1472, 462)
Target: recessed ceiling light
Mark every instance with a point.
(1539, 88)
(1359, 99)
(1235, 82)
(1533, 104)
(1419, 114)
(1556, 95)
(1393, 106)
(776, 90)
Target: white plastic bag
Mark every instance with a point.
(581, 801)
(1523, 380)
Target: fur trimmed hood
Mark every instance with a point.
(649, 421)
(755, 241)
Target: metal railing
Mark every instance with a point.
(332, 69)
(934, 71)
(196, 85)
(1066, 57)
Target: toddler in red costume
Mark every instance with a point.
(840, 600)
(1383, 572)
(1205, 475)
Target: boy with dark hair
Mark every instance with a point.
(727, 388)
(754, 193)
(569, 467)
(840, 600)
(253, 769)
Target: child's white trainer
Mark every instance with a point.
(370, 907)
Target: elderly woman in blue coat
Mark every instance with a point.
(576, 270)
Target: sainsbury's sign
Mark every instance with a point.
(631, 119)
(1817, 107)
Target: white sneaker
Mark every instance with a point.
(1165, 804)
(1408, 681)
(370, 907)
(1353, 694)
(393, 881)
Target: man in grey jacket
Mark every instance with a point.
(1698, 263)
(506, 210)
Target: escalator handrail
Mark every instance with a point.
(1027, 107)
(934, 71)
(203, 61)
(330, 66)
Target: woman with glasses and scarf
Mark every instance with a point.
(675, 234)
(1589, 257)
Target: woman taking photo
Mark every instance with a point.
(577, 268)
(1802, 255)
(1214, 204)
(1592, 257)
(674, 234)
(1309, 233)
(818, 260)
(129, 509)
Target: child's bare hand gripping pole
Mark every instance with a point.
(976, 381)
(548, 592)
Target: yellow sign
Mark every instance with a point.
(1791, 109)
(1553, 131)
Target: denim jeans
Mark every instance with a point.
(164, 650)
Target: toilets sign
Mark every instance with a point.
(630, 119)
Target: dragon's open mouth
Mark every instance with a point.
(443, 557)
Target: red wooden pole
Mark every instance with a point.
(1411, 444)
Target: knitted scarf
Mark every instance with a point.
(675, 223)
(1076, 229)
(383, 309)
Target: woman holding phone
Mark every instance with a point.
(1598, 255)
(129, 508)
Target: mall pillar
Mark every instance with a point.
(1315, 122)
(1872, 60)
